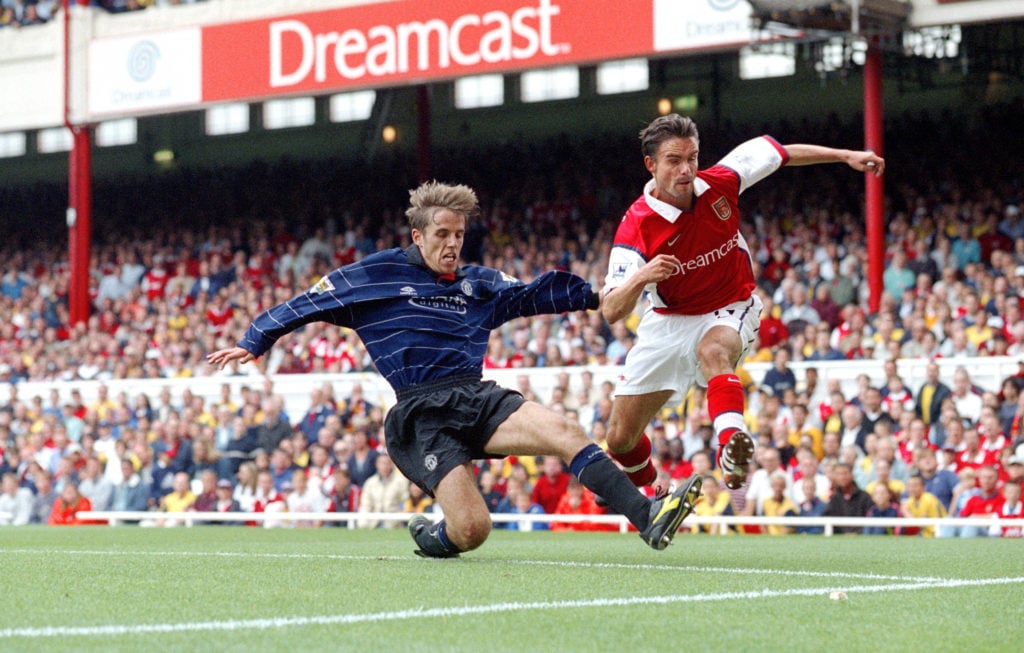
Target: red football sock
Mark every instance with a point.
(644, 476)
(725, 405)
(637, 462)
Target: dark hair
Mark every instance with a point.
(663, 128)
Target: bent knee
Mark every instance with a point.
(470, 533)
(621, 440)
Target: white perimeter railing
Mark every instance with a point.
(720, 523)
(986, 372)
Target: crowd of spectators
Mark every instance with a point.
(24, 13)
(182, 262)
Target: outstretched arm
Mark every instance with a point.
(863, 161)
(222, 357)
(552, 292)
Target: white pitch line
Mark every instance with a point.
(728, 570)
(552, 563)
(429, 613)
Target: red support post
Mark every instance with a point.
(79, 223)
(79, 214)
(874, 186)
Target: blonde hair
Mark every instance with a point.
(432, 196)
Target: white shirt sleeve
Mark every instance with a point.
(623, 263)
(754, 160)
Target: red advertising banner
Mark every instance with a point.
(410, 40)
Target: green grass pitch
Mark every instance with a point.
(252, 589)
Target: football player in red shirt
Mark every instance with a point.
(680, 242)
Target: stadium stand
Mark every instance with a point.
(173, 280)
(25, 13)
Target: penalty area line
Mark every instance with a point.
(431, 613)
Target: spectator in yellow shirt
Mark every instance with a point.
(800, 426)
(180, 499)
(921, 504)
(104, 406)
(979, 333)
(883, 474)
(714, 502)
(779, 505)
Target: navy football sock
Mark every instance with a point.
(600, 475)
(440, 531)
(434, 541)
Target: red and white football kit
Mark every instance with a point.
(713, 286)
(715, 282)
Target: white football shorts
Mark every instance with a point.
(665, 354)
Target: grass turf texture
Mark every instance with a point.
(254, 589)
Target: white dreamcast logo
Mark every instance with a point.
(142, 60)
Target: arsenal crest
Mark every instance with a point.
(722, 208)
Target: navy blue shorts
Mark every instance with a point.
(437, 426)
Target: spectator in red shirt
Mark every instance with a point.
(255, 272)
(776, 267)
(268, 499)
(219, 313)
(578, 500)
(154, 281)
(990, 429)
(772, 331)
(973, 455)
(674, 461)
(984, 505)
(66, 508)
(552, 484)
(344, 495)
